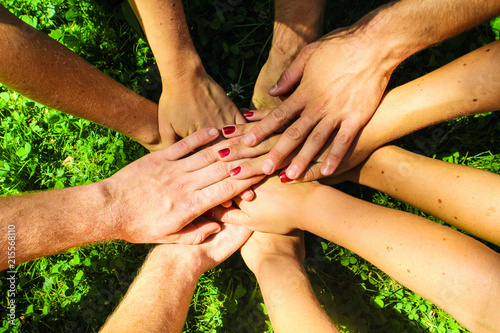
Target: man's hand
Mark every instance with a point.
(159, 194)
(194, 101)
(341, 83)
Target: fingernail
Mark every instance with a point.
(292, 172)
(284, 178)
(209, 214)
(224, 152)
(326, 170)
(273, 88)
(248, 114)
(228, 129)
(235, 171)
(249, 139)
(267, 166)
(213, 132)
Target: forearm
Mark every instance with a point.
(165, 26)
(49, 222)
(405, 27)
(296, 24)
(463, 196)
(466, 86)
(450, 269)
(158, 299)
(44, 70)
(289, 298)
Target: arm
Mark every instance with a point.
(341, 78)
(44, 70)
(450, 269)
(469, 85)
(152, 200)
(296, 23)
(158, 299)
(276, 261)
(191, 99)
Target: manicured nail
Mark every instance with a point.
(326, 170)
(248, 114)
(273, 88)
(235, 171)
(224, 152)
(228, 129)
(249, 139)
(209, 214)
(213, 132)
(284, 178)
(292, 172)
(267, 166)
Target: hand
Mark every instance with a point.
(191, 102)
(340, 95)
(211, 252)
(276, 208)
(264, 246)
(159, 194)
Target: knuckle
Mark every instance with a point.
(229, 187)
(208, 156)
(317, 138)
(279, 115)
(344, 138)
(311, 174)
(183, 147)
(293, 133)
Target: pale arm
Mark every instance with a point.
(276, 261)
(44, 70)
(158, 299)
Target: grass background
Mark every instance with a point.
(42, 149)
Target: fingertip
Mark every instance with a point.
(247, 195)
(249, 139)
(327, 169)
(213, 132)
(273, 90)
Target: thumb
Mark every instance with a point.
(291, 77)
(230, 215)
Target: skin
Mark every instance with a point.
(450, 269)
(276, 261)
(191, 99)
(342, 95)
(296, 24)
(42, 69)
(169, 191)
(158, 299)
(466, 86)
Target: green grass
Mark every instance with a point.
(42, 149)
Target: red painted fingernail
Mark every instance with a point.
(224, 152)
(209, 214)
(248, 114)
(228, 130)
(284, 178)
(235, 171)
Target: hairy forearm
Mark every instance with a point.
(464, 197)
(49, 222)
(289, 298)
(46, 71)
(158, 299)
(405, 27)
(165, 26)
(450, 269)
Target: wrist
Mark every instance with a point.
(184, 66)
(269, 263)
(177, 259)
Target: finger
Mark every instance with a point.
(291, 77)
(226, 242)
(227, 204)
(341, 144)
(277, 118)
(231, 131)
(247, 194)
(254, 115)
(190, 143)
(211, 174)
(289, 140)
(193, 233)
(251, 167)
(239, 150)
(314, 142)
(215, 194)
(231, 215)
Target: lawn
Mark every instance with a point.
(43, 149)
